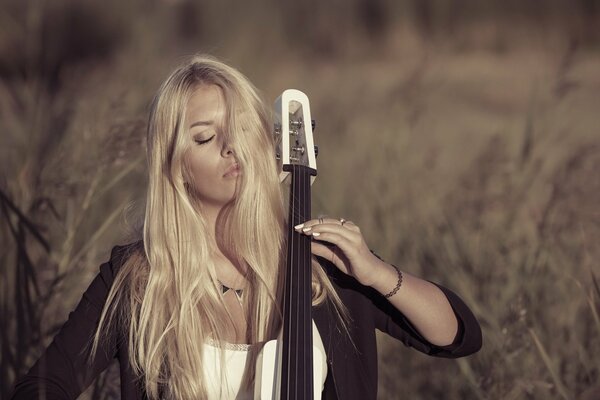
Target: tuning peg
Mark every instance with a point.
(313, 123)
(296, 124)
(316, 151)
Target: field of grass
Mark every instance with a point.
(466, 144)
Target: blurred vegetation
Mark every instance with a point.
(478, 129)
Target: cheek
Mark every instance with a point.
(202, 173)
(197, 171)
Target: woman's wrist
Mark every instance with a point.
(398, 284)
(385, 278)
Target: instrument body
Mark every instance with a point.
(289, 367)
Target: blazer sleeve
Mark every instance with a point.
(388, 319)
(62, 372)
(468, 339)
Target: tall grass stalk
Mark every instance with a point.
(548, 363)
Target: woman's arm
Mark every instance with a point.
(426, 306)
(422, 302)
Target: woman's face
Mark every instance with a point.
(212, 167)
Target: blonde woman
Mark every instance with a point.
(187, 308)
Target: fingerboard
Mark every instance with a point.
(297, 343)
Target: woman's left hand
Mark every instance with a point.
(342, 243)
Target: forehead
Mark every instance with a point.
(206, 104)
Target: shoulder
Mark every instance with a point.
(120, 255)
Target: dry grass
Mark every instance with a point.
(467, 148)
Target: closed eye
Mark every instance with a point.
(204, 141)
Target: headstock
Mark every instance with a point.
(294, 132)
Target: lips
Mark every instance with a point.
(233, 170)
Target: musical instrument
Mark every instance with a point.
(293, 367)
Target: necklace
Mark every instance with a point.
(225, 289)
(238, 297)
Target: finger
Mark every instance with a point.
(321, 250)
(328, 253)
(339, 240)
(350, 225)
(319, 221)
(332, 228)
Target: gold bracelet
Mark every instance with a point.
(398, 284)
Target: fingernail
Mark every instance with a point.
(298, 227)
(316, 234)
(307, 229)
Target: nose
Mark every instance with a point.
(226, 151)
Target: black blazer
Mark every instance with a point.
(61, 371)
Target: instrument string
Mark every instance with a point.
(290, 278)
(298, 293)
(307, 293)
(302, 266)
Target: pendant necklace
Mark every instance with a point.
(237, 292)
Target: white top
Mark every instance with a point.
(235, 366)
(236, 360)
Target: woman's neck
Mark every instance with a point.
(230, 271)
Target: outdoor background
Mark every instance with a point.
(462, 136)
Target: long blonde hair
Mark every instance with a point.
(170, 300)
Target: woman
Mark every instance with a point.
(187, 309)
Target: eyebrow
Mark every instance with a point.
(201, 123)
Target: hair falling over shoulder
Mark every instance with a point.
(165, 296)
